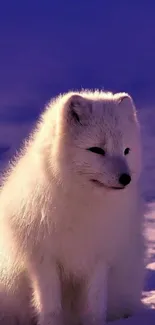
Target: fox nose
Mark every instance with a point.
(125, 179)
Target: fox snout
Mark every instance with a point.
(120, 170)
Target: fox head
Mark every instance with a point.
(97, 140)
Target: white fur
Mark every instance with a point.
(64, 237)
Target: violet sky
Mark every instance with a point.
(51, 46)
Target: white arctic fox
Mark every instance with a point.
(71, 219)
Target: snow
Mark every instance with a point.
(13, 135)
(147, 318)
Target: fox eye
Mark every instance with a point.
(97, 150)
(126, 151)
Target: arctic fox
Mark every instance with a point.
(71, 216)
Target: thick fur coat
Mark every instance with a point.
(71, 216)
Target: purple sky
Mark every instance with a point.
(47, 47)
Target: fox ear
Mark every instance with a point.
(125, 100)
(126, 103)
(79, 108)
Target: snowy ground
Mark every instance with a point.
(12, 134)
